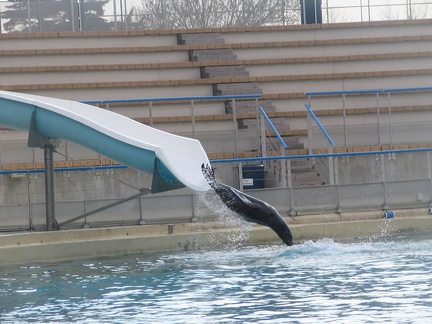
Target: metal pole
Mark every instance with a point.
(49, 187)
(240, 168)
(291, 211)
(304, 11)
(384, 179)
(29, 16)
(193, 118)
(284, 168)
(257, 106)
(115, 14)
(331, 166)
(151, 113)
(30, 221)
(316, 13)
(39, 17)
(336, 168)
(262, 127)
(126, 16)
(378, 119)
(369, 10)
(428, 159)
(327, 11)
(141, 219)
(72, 15)
(121, 12)
(344, 120)
(81, 15)
(235, 126)
(390, 121)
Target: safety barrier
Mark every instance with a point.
(384, 131)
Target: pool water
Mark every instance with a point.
(385, 281)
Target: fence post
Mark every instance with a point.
(384, 180)
(234, 111)
(331, 165)
(339, 207)
(309, 131)
(378, 119)
(240, 168)
(29, 16)
(30, 217)
(283, 168)
(429, 169)
(193, 118)
(151, 113)
(291, 210)
(262, 136)
(344, 120)
(390, 121)
(141, 220)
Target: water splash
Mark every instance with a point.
(229, 231)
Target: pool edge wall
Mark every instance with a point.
(100, 242)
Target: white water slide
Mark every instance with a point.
(172, 159)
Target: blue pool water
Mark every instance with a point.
(314, 282)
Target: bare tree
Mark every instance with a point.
(175, 14)
(405, 11)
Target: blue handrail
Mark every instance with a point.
(373, 91)
(341, 92)
(407, 89)
(236, 160)
(65, 169)
(245, 96)
(326, 134)
(319, 155)
(272, 126)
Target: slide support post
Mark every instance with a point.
(51, 223)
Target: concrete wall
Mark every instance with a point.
(360, 183)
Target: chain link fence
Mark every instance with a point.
(105, 15)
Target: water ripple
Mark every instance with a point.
(322, 281)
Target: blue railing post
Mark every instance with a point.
(273, 128)
(321, 127)
(283, 145)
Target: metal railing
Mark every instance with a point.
(376, 185)
(382, 128)
(79, 15)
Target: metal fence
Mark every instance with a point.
(102, 15)
(382, 123)
(363, 181)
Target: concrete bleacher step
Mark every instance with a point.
(200, 38)
(278, 122)
(303, 173)
(293, 142)
(226, 89)
(224, 71)
(212, 55)
(249, 106)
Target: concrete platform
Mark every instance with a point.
(91, 243)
